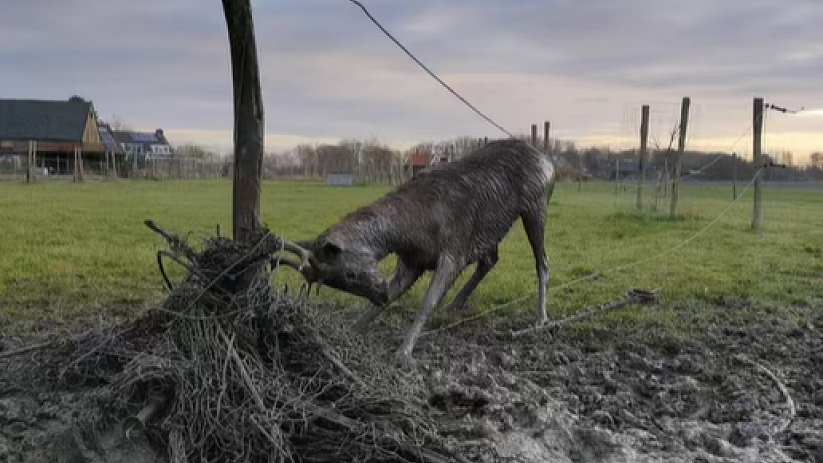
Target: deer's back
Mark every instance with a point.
(467, 207)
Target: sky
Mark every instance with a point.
(328, 73)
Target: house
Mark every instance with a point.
(61, 133)
(107, 138)
(419, 159)
(143, 145)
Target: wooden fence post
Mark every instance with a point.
(734, 176)
(678, 162)
(644, 136)
(76, 170)
(757, 121)
(546, 127)
(29, 161)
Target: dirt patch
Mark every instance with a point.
(573, 397)
(603, 396)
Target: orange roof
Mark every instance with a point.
(420, 158)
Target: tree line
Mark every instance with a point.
(370, 161)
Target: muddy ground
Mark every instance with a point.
(620, 394)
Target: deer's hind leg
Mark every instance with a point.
(484, 266)
(534, 223)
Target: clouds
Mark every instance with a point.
(328, 73)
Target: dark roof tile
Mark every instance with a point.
(43, 120)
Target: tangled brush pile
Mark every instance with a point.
(229, 370)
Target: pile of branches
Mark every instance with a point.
(229, 370)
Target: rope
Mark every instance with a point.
(425, 68)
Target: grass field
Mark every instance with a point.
(73, 250)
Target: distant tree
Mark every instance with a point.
(309, 161)
(377, 161)
(192, 150)
(815, 168)
(119, 124)
(816, 160)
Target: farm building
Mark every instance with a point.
(58, 132)
(339, 163)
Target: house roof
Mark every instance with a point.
(107, 138)
(43, 120)
(145, 138)
(420, 158)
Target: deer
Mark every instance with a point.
(442, 220)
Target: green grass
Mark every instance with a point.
(73, 250)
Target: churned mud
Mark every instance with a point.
(733, 393)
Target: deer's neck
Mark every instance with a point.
(371, 229)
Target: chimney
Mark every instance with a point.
(159, 133)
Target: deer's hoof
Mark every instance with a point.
(403, 359)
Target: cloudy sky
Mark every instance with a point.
(328, 73)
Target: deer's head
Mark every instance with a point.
(344, 267)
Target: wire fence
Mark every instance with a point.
(56, 168)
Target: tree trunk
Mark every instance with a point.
(248, 119)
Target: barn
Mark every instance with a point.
(58, 136)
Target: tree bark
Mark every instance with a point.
(248, 119)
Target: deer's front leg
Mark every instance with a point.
(444, 276)
(403, 279)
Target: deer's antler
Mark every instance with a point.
(304, 266)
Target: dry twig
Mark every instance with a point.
(27, 349)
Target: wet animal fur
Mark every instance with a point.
(442, 220)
